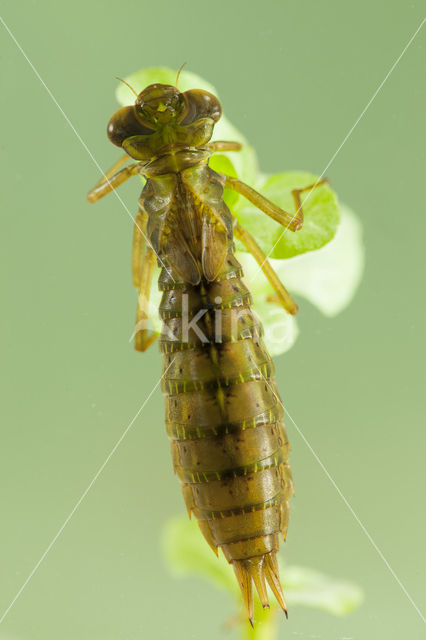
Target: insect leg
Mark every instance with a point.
(112, 180)
(296, 197)
(283, 296)
(143, 336)
(139, 244)
(223, 145)
(115, 167)
(293, 221)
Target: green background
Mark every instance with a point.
(293, 77)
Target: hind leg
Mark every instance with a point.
(113, 178)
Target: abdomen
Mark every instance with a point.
(225, 423)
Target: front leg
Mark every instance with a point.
(292, 221)
(110, 182)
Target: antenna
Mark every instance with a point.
(127, 84)
(178, 74)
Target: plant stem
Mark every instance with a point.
(265, 625)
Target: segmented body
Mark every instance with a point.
(224, 419)
(223, 413)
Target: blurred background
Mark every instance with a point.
(293, 77)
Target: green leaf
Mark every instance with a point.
(313, 589)
(320, 209)
(329, 277)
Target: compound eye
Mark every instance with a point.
(200, 104)
(126, 123)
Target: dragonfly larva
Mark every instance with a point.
(224, 417)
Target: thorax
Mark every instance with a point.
(175, 160)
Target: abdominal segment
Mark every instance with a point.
(224, 419)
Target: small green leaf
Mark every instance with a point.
(321, 214)
(313, 589)
(329, 277)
